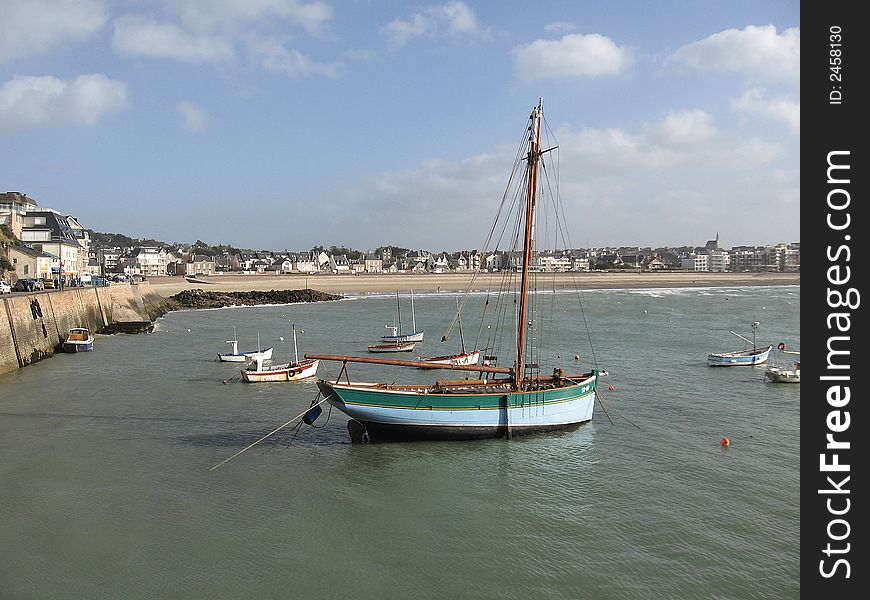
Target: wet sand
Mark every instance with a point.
(369, 283)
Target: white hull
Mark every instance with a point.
(411, 337)
(285, 372)
(471, 358)
(394, 347)
(739, 358)
(778, 375)
(246, 356)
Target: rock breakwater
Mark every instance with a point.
(199, 298)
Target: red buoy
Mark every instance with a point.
(611, 388)
(726, 442)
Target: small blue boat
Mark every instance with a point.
(741, 358)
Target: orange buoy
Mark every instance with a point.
(725, 442)
(611, 388)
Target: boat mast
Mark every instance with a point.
(295, 348)
(413, 315)
(459, 320)
(532, 169)
(399, 312)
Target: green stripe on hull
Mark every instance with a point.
(457, 401)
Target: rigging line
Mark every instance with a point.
(274, 431)
(482, 321)
(617, 412)
(508, 276)
(547, 183)
(601, 404)
(560, 209)
(495, 222)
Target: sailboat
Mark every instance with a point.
(463, 358)
(748, 357)
(778, 374)
(260, 368)
(396, 336)
(501, 401)
(236, 356)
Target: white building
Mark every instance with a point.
(718, 261)
(148, 262)
(49, 231)
(696, 262)
(13, 207)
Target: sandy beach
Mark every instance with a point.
(361, 284)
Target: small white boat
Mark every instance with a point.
(463, 358)
(236, 356)
(779, 374)
(393, 347)
(396, 334)
(79, 339)
(260, 369)
(740, 358)
(469, 358)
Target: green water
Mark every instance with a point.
(105, 488)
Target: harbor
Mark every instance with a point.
(109, 493)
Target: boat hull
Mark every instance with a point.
(410, 337)
(393, 347)
(78, 346)
(472, 358)
(741, 358)
(777, 375)
(246, 356)
(287, 372)
(390, 414)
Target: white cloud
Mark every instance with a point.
(272, 54)
(224, 31)
(210, 15)
(31, 102)
(575, 55)
(455, 17)
(779, 109)
(142, 36)
(560, 27)
(35, 26)
(193, 117)
(675, 180)
(756, 51)
(684, 129)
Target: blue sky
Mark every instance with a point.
(291, 123)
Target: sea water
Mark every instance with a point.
(106, 489)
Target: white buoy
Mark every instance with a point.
(281, 338)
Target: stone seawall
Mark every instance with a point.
(32, 326)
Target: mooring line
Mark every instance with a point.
(302, 414)
(607, 414)
(617, 411)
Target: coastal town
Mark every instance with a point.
(48, 248)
